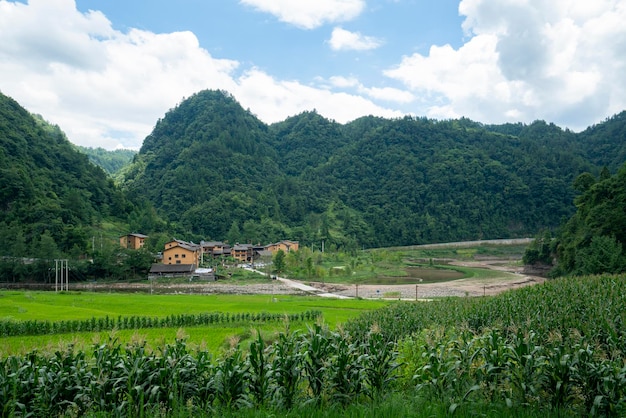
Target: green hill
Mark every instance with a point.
(50, 194)
(111, 161)
(213, 169)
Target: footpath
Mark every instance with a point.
(304, 287)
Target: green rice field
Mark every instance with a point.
(71, 306)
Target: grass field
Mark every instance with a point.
(48, 306)
(406, 265)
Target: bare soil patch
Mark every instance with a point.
(512, 278)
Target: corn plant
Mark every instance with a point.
(379, 364)
(260, 372)
(524, 368)
(286, 369)
(346, 373)
(492, 363)
(231, 380)
(205, 392)
(561, 372)
(316, 346)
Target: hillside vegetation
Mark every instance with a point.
(50, 194)
(110, 161)
(218, 172)
(212, 170)
(592, 241)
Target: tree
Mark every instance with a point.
(279, 261)
(137, 262)
(540, 250)
(603, 255)
(591, 241)
(234, 234)
(45, 248)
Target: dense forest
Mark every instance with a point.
(215, 170)
(53, 200)
(212, 170)
(110, 161)
(47, 187)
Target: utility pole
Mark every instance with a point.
(61, 271)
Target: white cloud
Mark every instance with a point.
(274, 100)
(343, 40)
(561, 61)
(343, 82)
(103, 87)
(309, 14)
(107, 88)
(389, 94)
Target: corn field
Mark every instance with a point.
(559, 346)
(555, 349)
(317, 366)
(21, 328)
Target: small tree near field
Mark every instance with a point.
(279, 261)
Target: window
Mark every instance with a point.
(175, 255)
(177, 261)
(184, 255)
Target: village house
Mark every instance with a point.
(215, 249)
(243, 252)
(133, 241)
(181, 252)
(171, 270)
(285, 245)
(184, 258)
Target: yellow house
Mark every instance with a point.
(285, 245)
(133, 241)
(181, 252)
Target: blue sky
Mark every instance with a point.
(106, 70)
(233, 30)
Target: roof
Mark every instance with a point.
(242, 247)
(184, 244)
(284, 242)
(134, 235)
(212, 243)
(172, 268)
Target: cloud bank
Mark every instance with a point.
(562, 61)
(106, 88)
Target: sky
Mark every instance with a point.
(105, 71)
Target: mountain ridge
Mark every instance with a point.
(370, 182)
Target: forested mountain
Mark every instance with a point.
(605, 143)
(207, 166)
(593, 240)
(50, 194)
(215, 170)
(212, 170)
(110, 161)
(418, 180)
